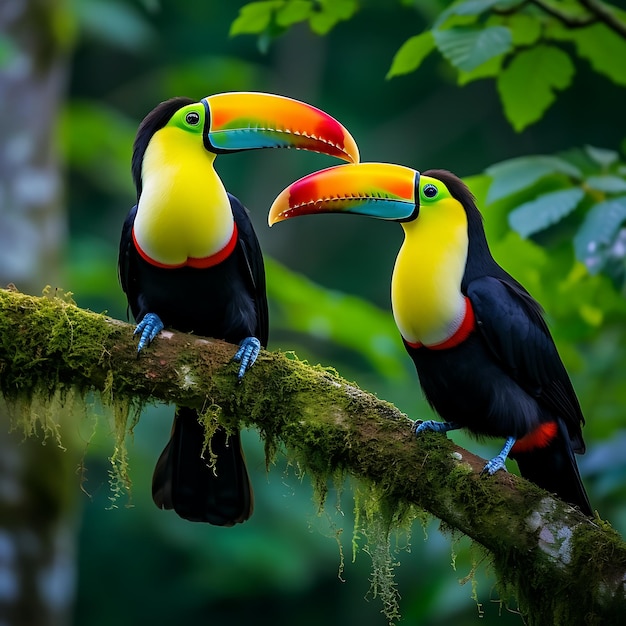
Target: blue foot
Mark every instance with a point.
(437, 427)
(248, 351)
(149, 327)
(498, 462)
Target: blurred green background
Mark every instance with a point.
(138, 565)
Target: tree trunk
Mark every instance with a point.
(37, 503)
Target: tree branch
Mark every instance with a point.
(598, 12)
(604, 14)
(562, 567)
(570, 20)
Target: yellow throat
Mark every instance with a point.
(184, 215)
(426, 297)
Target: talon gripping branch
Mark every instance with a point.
(482, 350)
(190, 260)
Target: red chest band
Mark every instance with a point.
(459, 336)
(198, 263)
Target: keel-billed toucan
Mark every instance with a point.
(484, 356)
(190, 260)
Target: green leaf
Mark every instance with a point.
(514, 175)
(607, 184)
(329, 12)
(604, 49)
(598, 231)
(527, 85)
(476, 7)
(533, 217)
(467, 48)
(471, 8)
(255, 17)
(411, 54)
(341, 9)
(602, 156)
(293, 12)
(525, 29)
(489, 69)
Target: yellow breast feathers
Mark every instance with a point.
(183, 215)
(428, 305)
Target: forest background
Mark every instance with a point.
(533, 121)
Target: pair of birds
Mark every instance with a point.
(190, 260)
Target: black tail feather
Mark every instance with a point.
(184, 480)
(554, 469)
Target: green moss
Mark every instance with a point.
(126, 414)
(38, 391)
(593, 586)
(296, 409)
(41, 414)
(210, 420)
(379, 520)
(46, 327)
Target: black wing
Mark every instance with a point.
(512, 325)
(252, 266)
(126, 259)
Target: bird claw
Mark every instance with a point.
(420, 426)
(498, 462)
(248, 351)
(494, 465)
(149, 327)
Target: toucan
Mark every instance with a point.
(485, 358)
(189, 260)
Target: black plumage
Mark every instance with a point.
(226, 301)
(506, 379)
(485, 358)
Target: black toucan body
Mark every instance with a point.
(484, 356)
(190, 260)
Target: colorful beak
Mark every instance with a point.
(382, 190)
(248, 120)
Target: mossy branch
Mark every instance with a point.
(562, 567)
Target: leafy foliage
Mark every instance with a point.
(271, 17)
(527, 85)
(581, 193)
(525, 46)
(601, 239)
(537, 215)
(516, 43)
(468, 48)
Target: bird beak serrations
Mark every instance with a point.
(381, 190)
(248, 120)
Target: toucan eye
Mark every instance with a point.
(192, 118)
(430, 191)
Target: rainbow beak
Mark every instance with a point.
(248, 120)
(382, 190)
